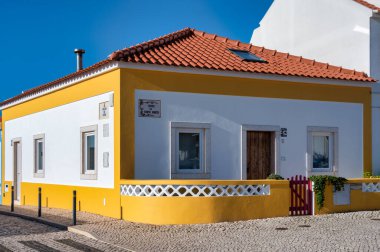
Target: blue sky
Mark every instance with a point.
(38, 37)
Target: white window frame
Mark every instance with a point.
(268, 128)
(205, 150)
(84, 132)
(36, 172)
(332, 132)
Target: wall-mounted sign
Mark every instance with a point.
(149, 108)
(284, 132)
(104, 110)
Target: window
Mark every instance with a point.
(322, 150)
(247, 56)
(39, 155)
(190, 150)
(89, 152)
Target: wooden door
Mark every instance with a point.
(260, 154)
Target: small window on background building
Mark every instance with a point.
(247, 56)
(89, 152)
(190, 150)
(323, 149)
(39, 155)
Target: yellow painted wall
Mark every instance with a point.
(194, 210)
(206, 84)
(89, 199)
(61, 196)
(360, 201)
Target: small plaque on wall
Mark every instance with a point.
(284, 132)
(104, 110)
(149, 108)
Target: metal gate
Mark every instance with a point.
(300, 196)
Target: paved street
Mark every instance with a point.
(359, 231)
(22, 235)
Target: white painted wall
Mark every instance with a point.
(61, 126)
(226, 114)
(374, 2)
(336, 32)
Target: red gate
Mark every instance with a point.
(300, 196)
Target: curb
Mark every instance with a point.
(89, 235)
(36, 219)
(81, 232)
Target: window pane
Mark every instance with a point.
(189, 151)
(40, 155)
(90, 152)
(321, 152)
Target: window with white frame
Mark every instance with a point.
(323, 149)
(190, 150)
(89, 152)
(39, 155)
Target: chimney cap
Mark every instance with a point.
(78, 50)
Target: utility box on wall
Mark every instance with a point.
(342, 197)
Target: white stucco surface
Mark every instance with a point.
(61, 126)
(336, 32)
(227, 114)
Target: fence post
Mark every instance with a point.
(12, 199)
(39, 201)
(74, 207)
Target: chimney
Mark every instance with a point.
(79, 53)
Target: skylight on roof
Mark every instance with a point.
(247, 56)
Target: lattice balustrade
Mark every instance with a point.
(371, 187)
(193, 190)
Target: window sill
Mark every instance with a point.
(89, 176)
(190, 176)
(331, 173)
(39, 175)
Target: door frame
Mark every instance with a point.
(18, 191)
(268, 128)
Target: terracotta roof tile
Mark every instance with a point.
(368, 5)
(211, 51)
(197, 49)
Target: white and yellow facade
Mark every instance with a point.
(139, 150)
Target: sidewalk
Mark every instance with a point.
(58, 216)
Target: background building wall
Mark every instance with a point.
(336, 32)
(227, 114)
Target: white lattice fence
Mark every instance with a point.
(193, 190)
(371, 187)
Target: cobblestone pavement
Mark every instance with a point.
(21, 235)
(358, 231)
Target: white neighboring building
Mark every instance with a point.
(342, 32)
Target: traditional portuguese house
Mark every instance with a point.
(199, 114)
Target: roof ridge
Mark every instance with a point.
(368, 5)
(156, 42)
(287, 55)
